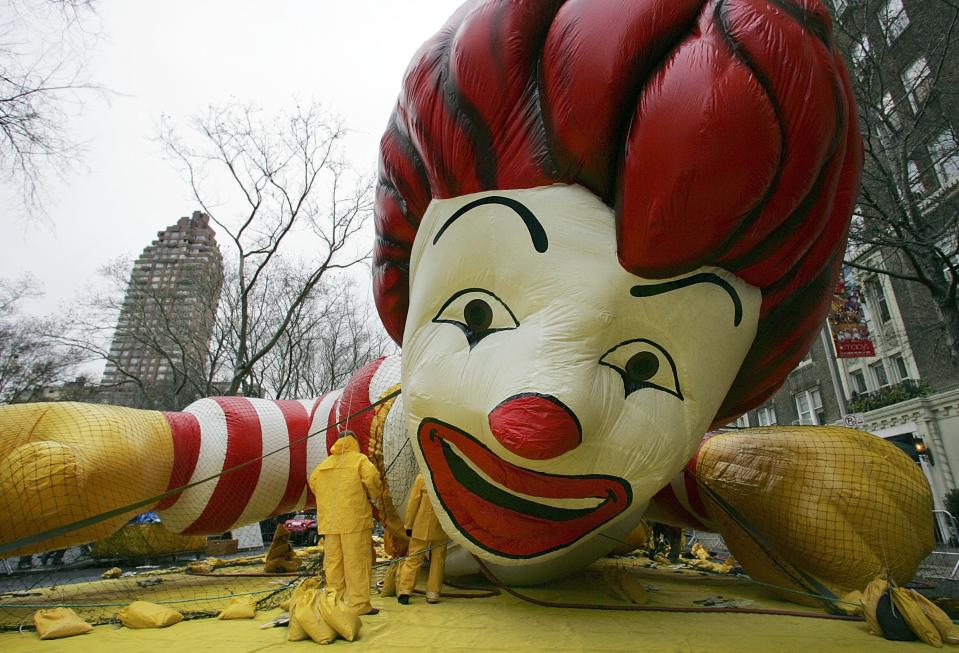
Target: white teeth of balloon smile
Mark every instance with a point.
(578, 503)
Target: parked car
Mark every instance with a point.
(302, 529)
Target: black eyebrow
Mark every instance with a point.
(536, 232)
(703, 277)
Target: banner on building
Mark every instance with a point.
(847, 322)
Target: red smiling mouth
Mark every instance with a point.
(515, 515)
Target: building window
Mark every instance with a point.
(859, 52)
(767, 415)
(915, 178)
(917, 78)
(742, 422)
(900, 364)
(889, 112)
(858, 381)
(809, 407)
(893, 19)
(949, 252)
(879, 372)
(879, 299)
(944, 150)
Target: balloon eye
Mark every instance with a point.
(642, 366)
(478, 315)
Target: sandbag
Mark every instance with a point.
(918, 621)
(142, 614)
(309, 583)
(54, 623)
(306, 613)
(199, 568)
(240, 607)
(947, 630)
(389, 580)
(338, 614)
(112, 572)
(870, 599)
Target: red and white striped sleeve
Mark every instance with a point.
(221, 433)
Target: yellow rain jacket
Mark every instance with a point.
(344, 485)
(420, 517)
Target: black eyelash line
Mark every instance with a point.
(654, 289)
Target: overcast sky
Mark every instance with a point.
(176, 57)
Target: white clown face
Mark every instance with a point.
(550, 392)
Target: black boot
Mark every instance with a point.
(404, 599)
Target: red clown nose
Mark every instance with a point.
(535, 426)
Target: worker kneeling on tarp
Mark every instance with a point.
(425, 534)
(345, 485)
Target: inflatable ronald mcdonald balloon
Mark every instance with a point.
(603, 228)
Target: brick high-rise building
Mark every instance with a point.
(163, 331)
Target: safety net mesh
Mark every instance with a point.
(105, 505)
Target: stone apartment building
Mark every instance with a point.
(167, 315)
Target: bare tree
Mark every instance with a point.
(30, 359)
(329, 336)
(289, 186)
(43, 46)
(905, 224)
(327, 343)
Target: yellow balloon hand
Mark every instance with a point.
(65, 462)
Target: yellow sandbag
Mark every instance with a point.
(948, 631)
(306, 610)
(699, 551)
(870, 598)
(199, 568)
(54, 623)
(240, 607)
(295, 632)
(280, 557)
(336, 613)
(308, 584)
(142, 614)
(915, 617)
(661, 559)
(112, 572)
(389, 580)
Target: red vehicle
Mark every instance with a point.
(302, 528)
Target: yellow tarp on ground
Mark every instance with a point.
(505, 623)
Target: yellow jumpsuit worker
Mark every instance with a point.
(344, 485)
(425, 533)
